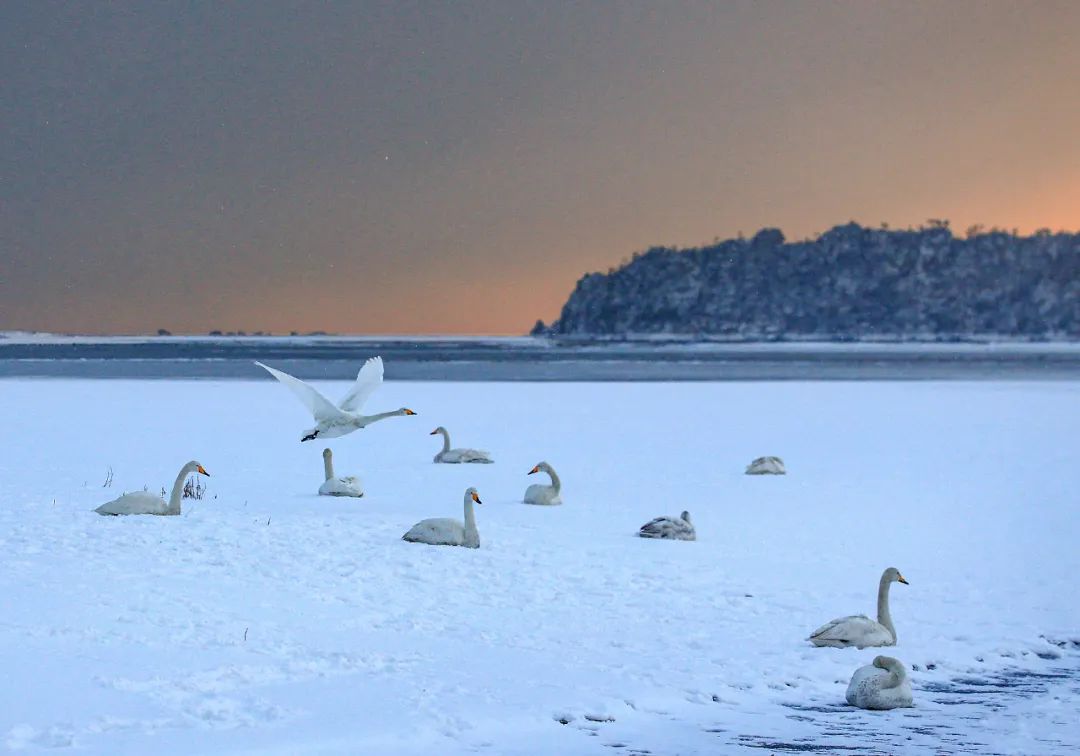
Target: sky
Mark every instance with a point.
(455, 167)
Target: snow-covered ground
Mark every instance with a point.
(267, 619)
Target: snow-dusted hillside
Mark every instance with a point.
(267, 619)
(850, 283)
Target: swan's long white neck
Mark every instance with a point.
(446, 446)
(555, 482)
(328, 464)
(471, 534)
(178, 488)
(369, 419)
(883, 616)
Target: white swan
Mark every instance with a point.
(766, 466)
(143, 502)
(858, 630)
(538, 493)
(444, 531)
(881, 685)
(678, 528)
(454, 456)
(344, 417)
(334, 486)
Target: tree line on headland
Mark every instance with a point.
(850, 283)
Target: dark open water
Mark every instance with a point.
(525, 359)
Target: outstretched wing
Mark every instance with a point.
(367, 380)
(322, 409)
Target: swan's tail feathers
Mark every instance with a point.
(655, 526)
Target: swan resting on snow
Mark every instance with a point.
(334, 486)
(766, 466)
(858, 630)
(538, 493)
(676, 528)
(444, 531)
(454, 456)
(143, 502)
(334, 420)
(881, 685)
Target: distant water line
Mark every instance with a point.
(525, 359)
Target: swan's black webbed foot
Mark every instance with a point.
(309, 437)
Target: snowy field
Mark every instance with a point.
(266, 619)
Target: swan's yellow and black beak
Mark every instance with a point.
(202, 470)
(901, 579)
(476, 498)
(433, 433)
(534, 470)
(409, 411)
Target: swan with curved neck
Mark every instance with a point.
(455, 456)
(445, 531)
(143, 502)
(671, 528)
(858, 630)
(333, 420)
(881, 685)
(766, 466)
(335, 486)
(541, 494)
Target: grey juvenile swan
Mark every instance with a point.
(858, 630)
(143, 502)
(766, 466)
(676, 528)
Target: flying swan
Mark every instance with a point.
(538, 493)
(881, 685)
(444, 531)
(858, 630)
(333, 486)
(677, 528)
(143, 502)
(337, 420)
(454, 456)
(766, 466)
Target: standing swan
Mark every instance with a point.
(766, 466)
(454, 456)
(444, 531)
(333, 486)
(858, 630)
(344, 417)
(881, 685)
(676, 528)
(538, 493)
(142, 502)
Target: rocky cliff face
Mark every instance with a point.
(850, 283)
